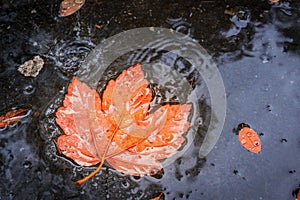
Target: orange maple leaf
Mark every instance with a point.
(120, 129)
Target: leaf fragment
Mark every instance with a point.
(69, 7)
(32, 67)
(158, 197)
(12, 117)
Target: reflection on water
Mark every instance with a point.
(181, 25)
(68, 55)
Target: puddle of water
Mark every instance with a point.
(167, 89)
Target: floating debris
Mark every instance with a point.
(12, 117)
(250, 140)
(98, 26)
(69, 7)
(232, 11)
(158, 197)
(32, 67)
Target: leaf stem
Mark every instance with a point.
(81, 181)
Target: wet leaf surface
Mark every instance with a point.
(250, 140)
(118, 128)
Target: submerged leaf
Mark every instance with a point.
(119, 129)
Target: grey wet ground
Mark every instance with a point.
(257, 52)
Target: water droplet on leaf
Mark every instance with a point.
(243, 141)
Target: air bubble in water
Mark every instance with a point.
(256, 143)
(27, 164)
(39, 175)
(28, 89)
(95, 184)
(125, 184)
(265, 59)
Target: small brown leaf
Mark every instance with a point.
(69, 7)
